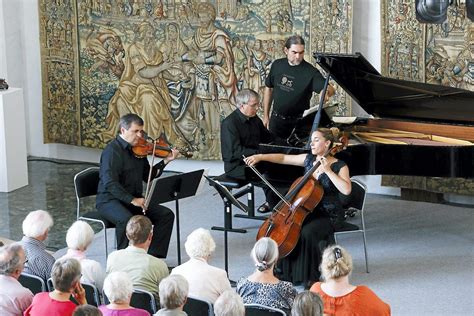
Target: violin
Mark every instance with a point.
(284, 225)
(160, 148)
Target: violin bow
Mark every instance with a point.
(268, 183)
(147, 191)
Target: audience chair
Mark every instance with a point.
(356, 204)
(195, 306)
(262, 310)
(92, 294)
(49, 285)
(144, 300)
(85, 184)
(32, 282)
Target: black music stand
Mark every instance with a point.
(175, 187)
(229, 200)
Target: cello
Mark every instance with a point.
(285, 222)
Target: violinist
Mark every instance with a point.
(301, 265)
(120, 191)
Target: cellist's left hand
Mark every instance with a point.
(172, 155)
(325, 165)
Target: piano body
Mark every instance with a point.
(405, 106)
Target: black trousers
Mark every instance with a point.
(161, 217)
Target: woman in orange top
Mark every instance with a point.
(339, 296)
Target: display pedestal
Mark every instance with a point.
(13, 164)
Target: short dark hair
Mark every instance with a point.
(128, 119)
(294, 40)
(138, 229)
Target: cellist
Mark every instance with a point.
(301, 266)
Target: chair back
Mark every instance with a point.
(358, 194)
(262, 310)
(92, 294)
(196, 306)
(85, 184)
(144, 300)
(32, 282)
(49, 285)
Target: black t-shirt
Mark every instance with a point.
(293, 86)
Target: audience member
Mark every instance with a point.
(66, 276)
(145, 270)
(173, 294)
(87, 310)
(339, 296)
(14, 298)
(229, 303)
(36, 227)
(118, 288)
(205, 281)
(78, 238)
(262, 287)
(307, 304)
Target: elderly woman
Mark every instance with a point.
(307, 304)
(66, 275)
(78, 238)
(205, 281)
(229, 304)
(118, 289)
(173, 294)
(262, 287)
(339, 296)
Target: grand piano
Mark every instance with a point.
(440, 118)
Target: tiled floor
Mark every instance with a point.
(50, 188)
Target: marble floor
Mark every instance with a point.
(50, 188)
(413, 247)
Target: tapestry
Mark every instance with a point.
(176, 63)
(440, 54)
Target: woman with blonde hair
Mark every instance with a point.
(339, 296)
(262, 286)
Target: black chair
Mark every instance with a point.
(49, 285)
(85, 184)
(356, 204)
(92, 294)
(195, 306)
(32, 282)
(144, 300)
(262, 310)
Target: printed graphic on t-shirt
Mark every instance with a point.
(286, 83)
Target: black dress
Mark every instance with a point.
(302, 264)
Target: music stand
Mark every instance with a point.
(175, 187)
(229, 199)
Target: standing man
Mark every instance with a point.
(120, 190)
(290, 83)
(241, 133)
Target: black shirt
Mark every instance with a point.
(122, 174)
(241, 135)
(293, 86)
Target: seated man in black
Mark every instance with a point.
(120, 191)
(241, 133)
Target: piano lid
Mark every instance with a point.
(397, 99)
